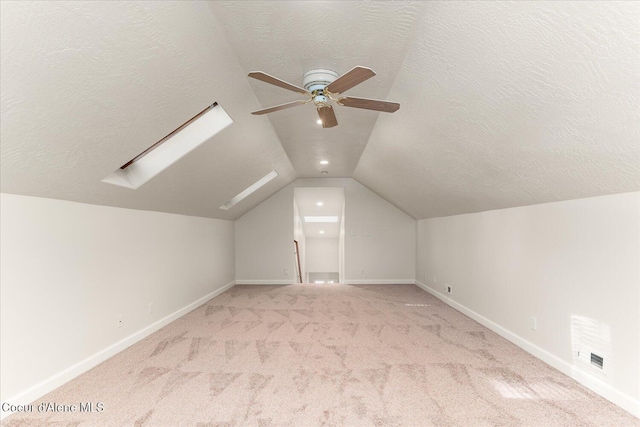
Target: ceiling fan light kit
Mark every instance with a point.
(322, 86)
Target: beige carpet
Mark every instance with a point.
(327, 355)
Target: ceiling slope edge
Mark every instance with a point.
(262, 194)
(386, 199)
(389, 95)
(325, 183)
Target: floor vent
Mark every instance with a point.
(597, 361)
(418, 305)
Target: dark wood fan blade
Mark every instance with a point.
(327, 116)
(369, 104)
(278, 107)
(350, 79)
(259, 75)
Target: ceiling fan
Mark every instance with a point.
(322, 86)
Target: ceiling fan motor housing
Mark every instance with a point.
(315, 81)
(318, 79)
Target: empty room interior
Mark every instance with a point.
(320, 213)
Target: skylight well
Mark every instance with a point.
(190, 135)
(249, 190)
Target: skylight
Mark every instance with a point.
(320, 219)
(191, 134)
(249, 190)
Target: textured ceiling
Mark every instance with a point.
(502, 104)
(286, 39)
(510, 104)
(86, 86)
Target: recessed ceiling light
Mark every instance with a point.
(324, 162)
(319, 203)
(319, 122)
(320, 219)
(321, 231)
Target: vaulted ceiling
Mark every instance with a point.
(502, 104)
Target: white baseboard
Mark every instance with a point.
(265, 282)
(380, 282)
(595, 384)
(37, 391)
(346, 282)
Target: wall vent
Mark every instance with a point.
(591, 345)
(597, 361)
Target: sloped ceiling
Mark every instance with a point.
(287, 39)
(86, 86)
(511, 104)
(502, 104)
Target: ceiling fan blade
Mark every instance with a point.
(259, 75)
(279, 107)
(369, 104)
(350, 79)
(327, 116)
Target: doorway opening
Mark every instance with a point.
(319, 232)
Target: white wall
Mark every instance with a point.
(264, 241)
(68, 269)
(322, 255)
(560, 262)
(380, 239)
(341, 242)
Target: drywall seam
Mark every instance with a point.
(380, 282)
(605, 390)
(40, 389)
(265, 282)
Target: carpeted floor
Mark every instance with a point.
(327, 355)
